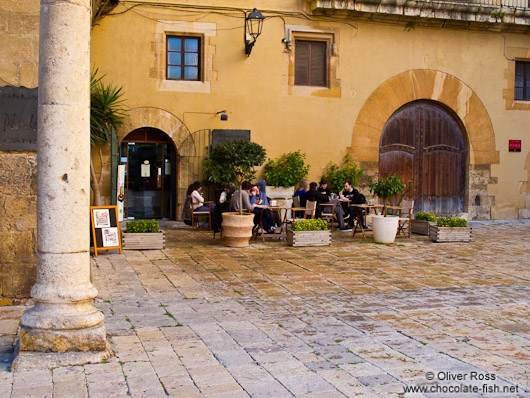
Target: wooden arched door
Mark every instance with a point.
(423, 144)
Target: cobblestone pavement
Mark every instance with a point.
(353, 319)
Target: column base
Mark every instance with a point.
(31, 360)
(46, 340)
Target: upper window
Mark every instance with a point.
(310, 63)
(522, 80)
(183, 58)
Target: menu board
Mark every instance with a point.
(105, 228)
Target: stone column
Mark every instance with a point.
(63, 318)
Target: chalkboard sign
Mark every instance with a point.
(105, 228)
(219, 136)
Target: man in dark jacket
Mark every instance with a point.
(355, 198)
(316, 196)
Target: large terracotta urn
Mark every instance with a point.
(237, 229)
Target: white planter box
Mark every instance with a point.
(450, 234)
(308, 238)
(143, 241)
(280, 192)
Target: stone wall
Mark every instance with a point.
(18, 223)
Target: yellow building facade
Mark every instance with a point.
(378, 63)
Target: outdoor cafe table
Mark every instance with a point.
(364, 209)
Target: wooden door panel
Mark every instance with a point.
(424, 145)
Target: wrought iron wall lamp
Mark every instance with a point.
(253, 26)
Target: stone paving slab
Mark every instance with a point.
(355, 319)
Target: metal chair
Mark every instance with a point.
(328, 215)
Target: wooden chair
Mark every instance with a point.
(311, 209)
(404, 212)
(196, 215)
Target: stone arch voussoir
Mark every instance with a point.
(154, 118)
(424, 84)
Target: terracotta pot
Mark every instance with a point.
(385, 228)
(237, 229)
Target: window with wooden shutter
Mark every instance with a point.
(310, 63)
(183, 58)
(522, 81)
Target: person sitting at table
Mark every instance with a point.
(316, 196)
(324, 187)
(258, 196)
(301, 191)
(355, 198)
(245, 198)
(197, 199)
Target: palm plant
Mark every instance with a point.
(106, 113)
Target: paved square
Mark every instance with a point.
(353, 319)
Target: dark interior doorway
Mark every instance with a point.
(150, 181)
(423, 143)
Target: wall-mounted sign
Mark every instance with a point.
(18, 119)
(219, 136)
(514, 145)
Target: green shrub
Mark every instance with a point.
(140, 226)
(336, 175)
(388, 187)
(287, 170)
(316, 224)
(451, 222)
(421, 215)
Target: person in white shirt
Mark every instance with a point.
(197, 199)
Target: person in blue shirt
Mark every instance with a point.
(301, 191)
(258, 197)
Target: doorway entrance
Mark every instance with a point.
(150, 174)
(423, 144)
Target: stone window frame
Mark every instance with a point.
(305, 33)
(526, 76)
(207, 32)
(514, 54)
(200, 52)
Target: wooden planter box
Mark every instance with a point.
(308, 238)
(421, 227)
(143, 241)
(449, 234)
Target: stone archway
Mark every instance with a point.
(160, 119)
(155, 118)
(424, 84)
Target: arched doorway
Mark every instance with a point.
(150, 183)
(423, 143)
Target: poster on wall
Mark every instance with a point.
(101, 218)
(121, 190)
(145, 169)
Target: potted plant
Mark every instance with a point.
(283, 173)
(450, 229)
(235, 161)
(385, 226)
(142, 235)
(309, 232)
(422, 221)
(336, 175)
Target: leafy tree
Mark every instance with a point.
(387, 187)
(106, 114)
(234, 161)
